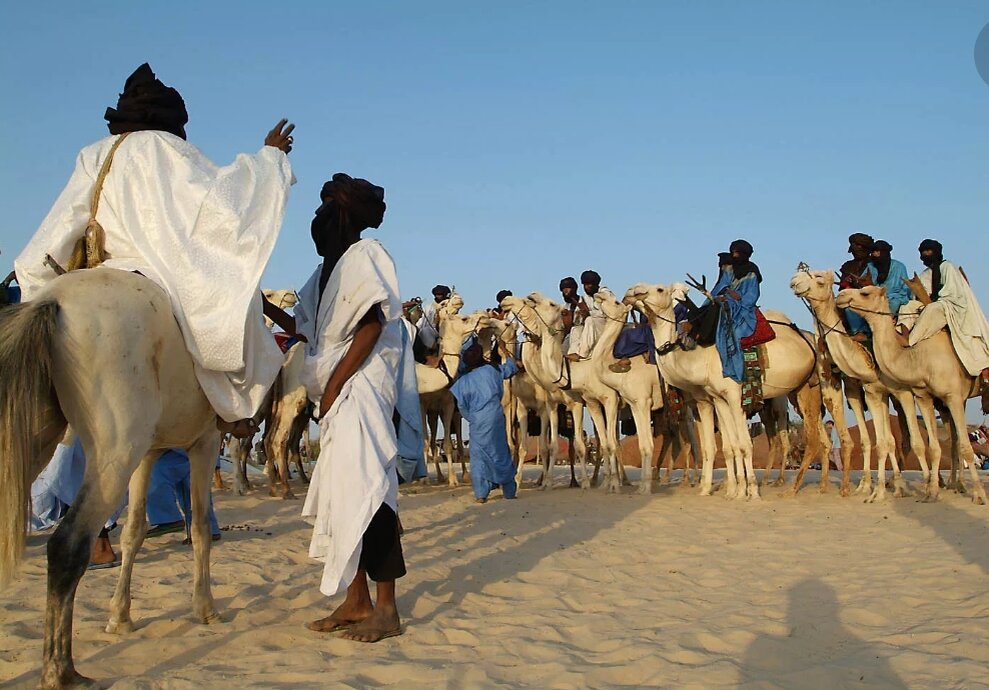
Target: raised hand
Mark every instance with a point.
(280, 136)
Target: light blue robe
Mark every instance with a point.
(478, 393)
(737, 320)
(896, 290)
(169, 492)
(856, 323)
(411, 463)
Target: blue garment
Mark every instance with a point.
(411, 463)
(478, 393)
(737, 320)
(13, 294)
(636, 340)
(897, 291)
(856, 323)
(55, 489)
(170, 491)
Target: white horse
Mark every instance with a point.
(99, 349)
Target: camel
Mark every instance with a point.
(288, 416)
(930, 369)
(577, 381)
(283, 299)
(860, 372)
(790, 365)
(130, 393)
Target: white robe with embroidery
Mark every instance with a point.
(356, 470)
(957, 308)
(202, 233)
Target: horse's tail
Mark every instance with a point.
(27, 333)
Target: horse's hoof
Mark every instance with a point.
(120, 627)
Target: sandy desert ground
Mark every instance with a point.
(566, 589)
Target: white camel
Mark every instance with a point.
(790, 363)
(931, 369)
(855, 362)
(284, 425)
(130, 394)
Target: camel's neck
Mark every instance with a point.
(850, 357)
(897, 361)
(605, 346)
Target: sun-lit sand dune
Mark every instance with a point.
(566, 589)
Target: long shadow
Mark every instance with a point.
(959, 529)
(818, 652)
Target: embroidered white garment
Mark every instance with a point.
(203, 233)
(356, 470)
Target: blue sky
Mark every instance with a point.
(522, 142)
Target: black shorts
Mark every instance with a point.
(381, 547)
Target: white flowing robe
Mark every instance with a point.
(957, 308)
(202, 233)
(585, 335)
(356, 470)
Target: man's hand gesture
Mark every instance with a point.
(280, 136)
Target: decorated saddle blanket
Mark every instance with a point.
(763, 332)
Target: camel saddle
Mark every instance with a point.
(763, 332)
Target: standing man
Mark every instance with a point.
(834, 456)
(350, 310)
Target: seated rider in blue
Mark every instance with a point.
(857, 272)
(478, 391)
(890, 275)
(737, 292)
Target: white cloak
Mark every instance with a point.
(356, 470)
(956, 307)
(585, 335)
(202, 233)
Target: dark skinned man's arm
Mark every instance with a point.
(368, 331)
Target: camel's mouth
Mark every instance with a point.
(843, 301)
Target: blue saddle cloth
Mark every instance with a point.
(636, 341)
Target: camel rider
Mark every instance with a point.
(737, 292)
(588, 319)
(572, 315)
(953, 305)
(429, 324)
(857, 272)
(890, 275)
(202, 233)
(499, 313)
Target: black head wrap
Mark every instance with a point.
(590, 278)
(474, 356)
(350, 206)
(441, 290)
(860, 239)
(147, 104)
(724, 259)
(933, 262)
(741, 266)
(502, 294)
(881, 262)
(568, 282)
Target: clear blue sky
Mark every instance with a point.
(522, 142)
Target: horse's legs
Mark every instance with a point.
(130, 543)
(68, 555)
(200, 464)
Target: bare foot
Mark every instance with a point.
(346, 615)
(384, 622)
(102, 554)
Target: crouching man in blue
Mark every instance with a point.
(478, 391)
(737, 291)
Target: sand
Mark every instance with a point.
(565, 589)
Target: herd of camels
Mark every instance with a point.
(133, 392)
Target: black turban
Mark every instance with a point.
(568, 282)
(882, 261)
(441, 290)
(741, 266)
(931, 245)
(590, 278)
(933, 262)
(742, 247)
(502, 294)
(861, 239)
(724, 258)
(350, 206)
(147, 104)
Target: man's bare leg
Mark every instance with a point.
(383, 622)
(102, 551)
(354, 609)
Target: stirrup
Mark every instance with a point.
(620, 368)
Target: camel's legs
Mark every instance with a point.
(610, 443)
(965, 452)
(604, 442)
(549, 459)
(865, 441)
(642, 416)
(130, 543)
(926, 406)
(68, 555)
(451, 476)
(705, 410)
(576, 409)
(833, 401)
(907, 417)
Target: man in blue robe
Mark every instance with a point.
(169, 497)
(478, 392)
(737, 292)
(890, 275)
(857, 272)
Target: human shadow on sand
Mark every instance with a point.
(817, 651)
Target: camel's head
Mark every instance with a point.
(283, 299)
(651, 299)
(610, 305)
(548, 315)
(813, 285)
(450, 306)
(503, 329)
(867, 301)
